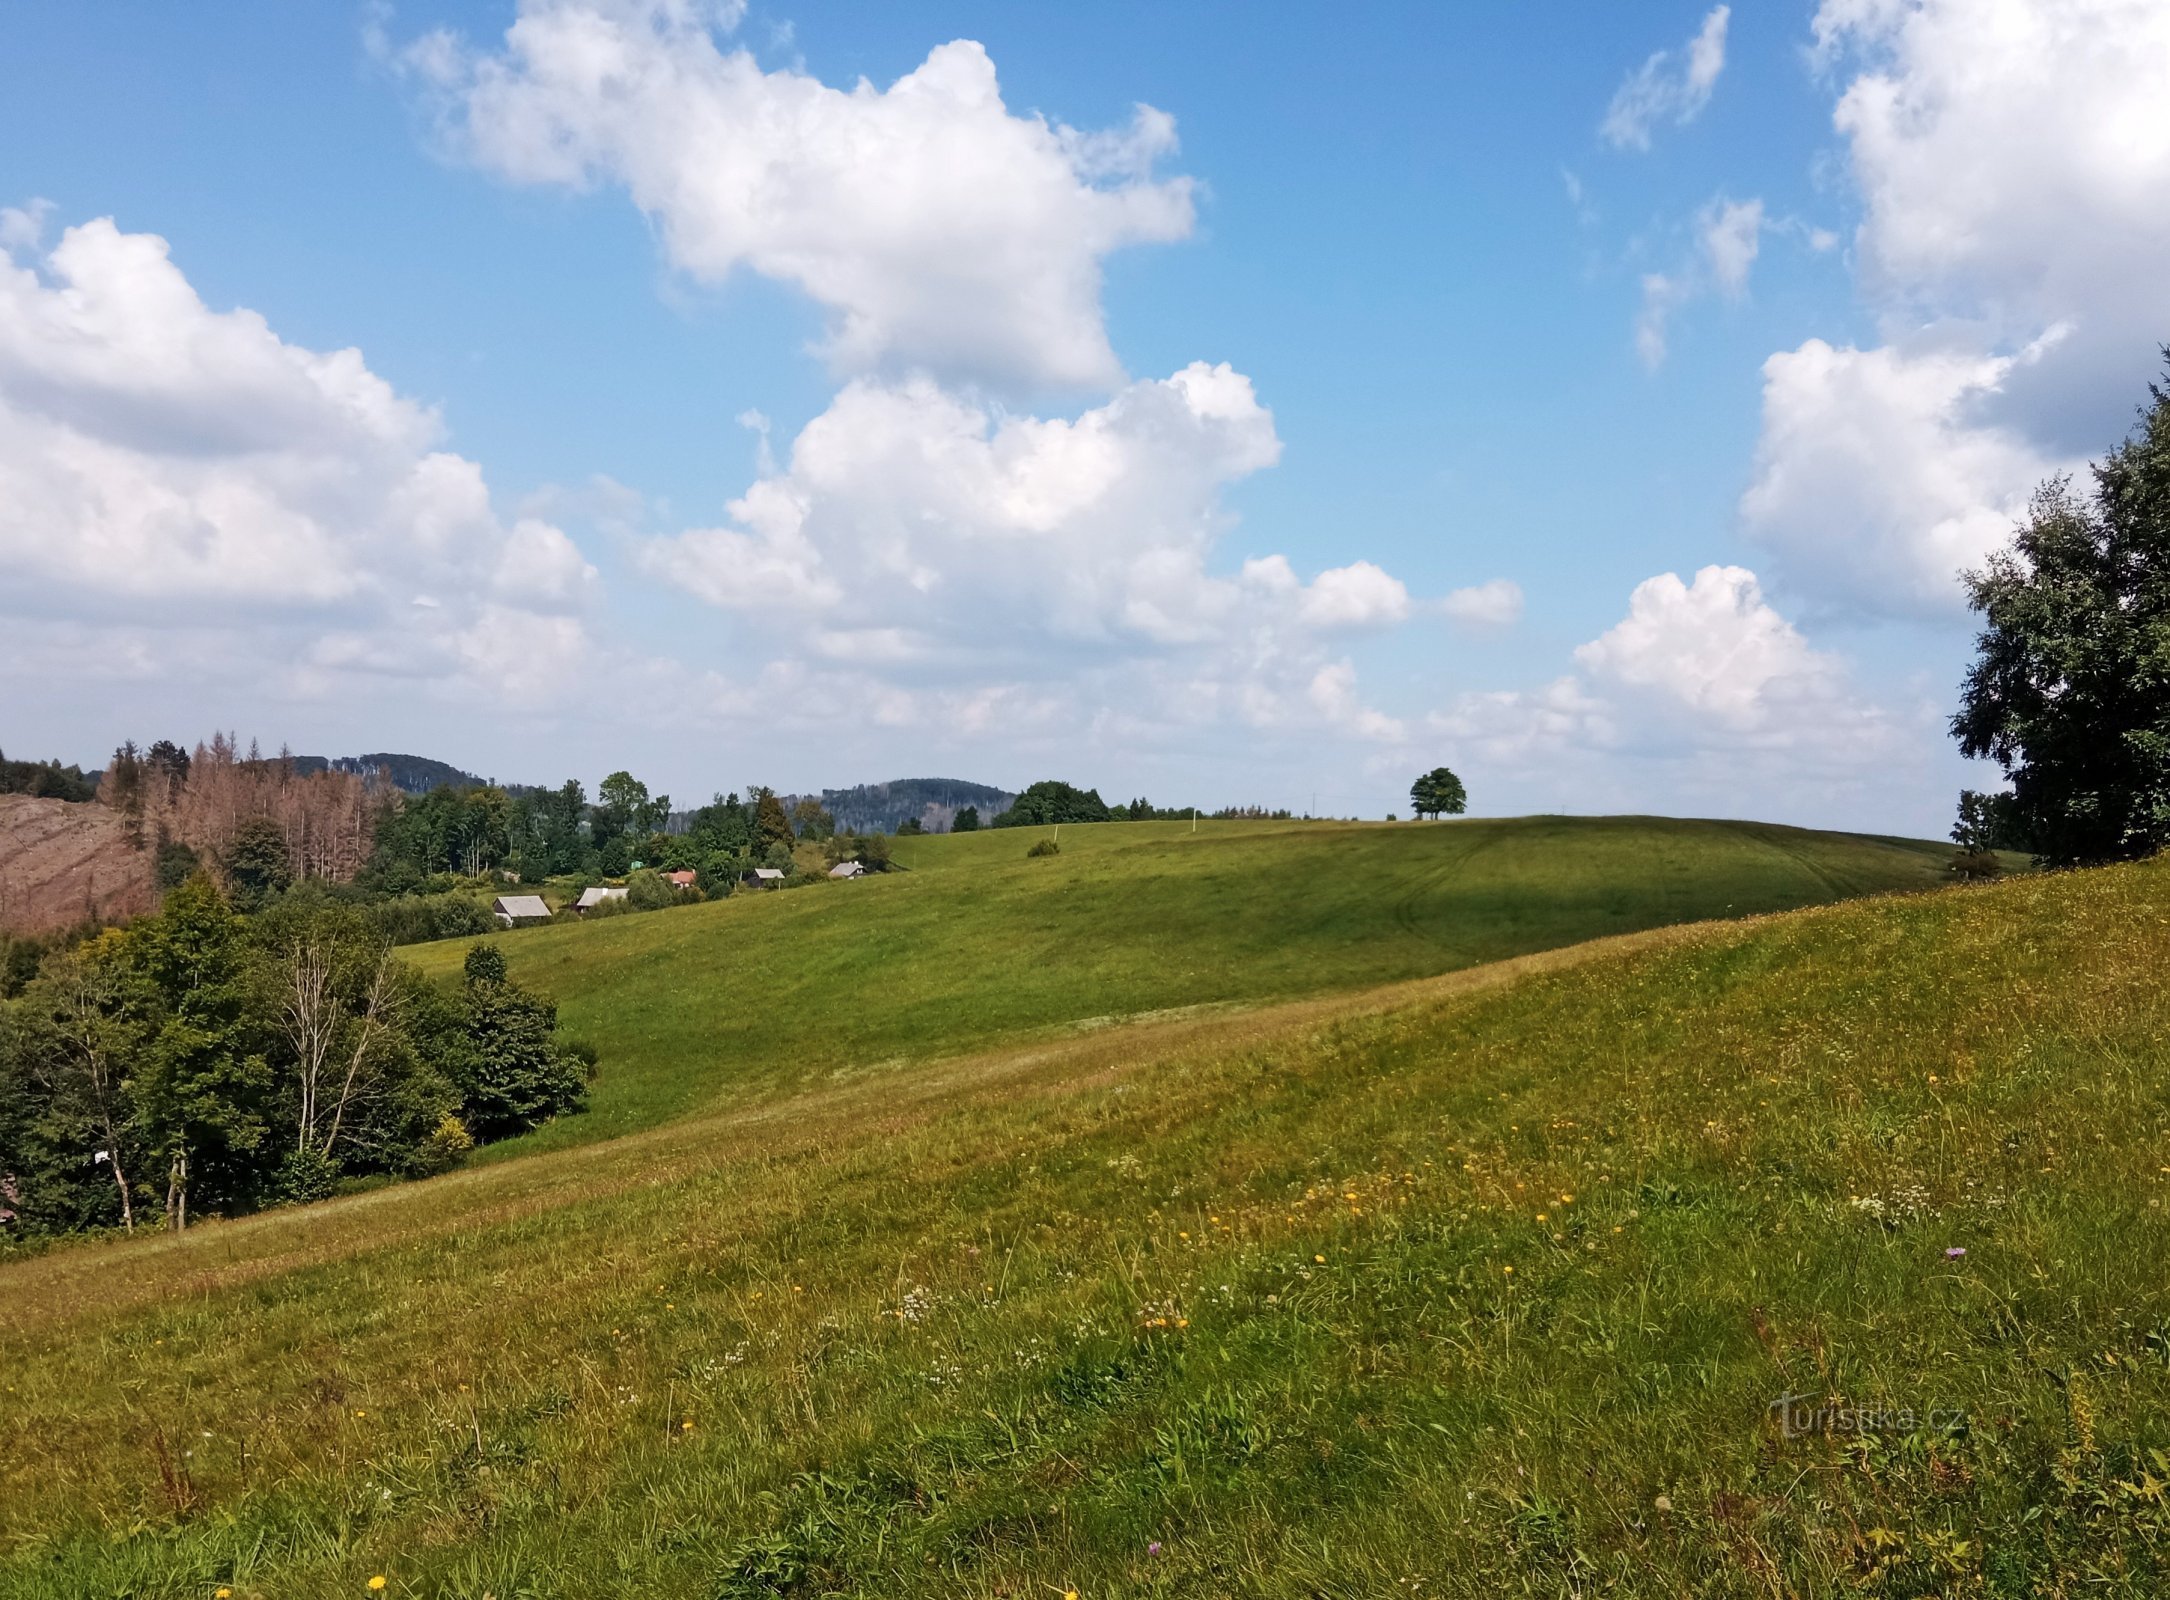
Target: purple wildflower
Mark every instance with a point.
(1955, 1252)
(1153, 1549)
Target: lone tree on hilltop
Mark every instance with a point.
(1438, 793)
(2070, 688)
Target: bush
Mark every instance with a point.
(1977, 864)
(304, 1176)
(419, 918)
(446, 1146)
(1046, 847)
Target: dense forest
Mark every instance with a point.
(206, 1060)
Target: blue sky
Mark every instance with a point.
(1512, 337)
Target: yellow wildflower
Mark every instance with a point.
(376, 1583)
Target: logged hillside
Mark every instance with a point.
(1803, 1255)
(67, 862)
(976, 943)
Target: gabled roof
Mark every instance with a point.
(518, 906)
(846, 869)
(767, 874)
(595, 896)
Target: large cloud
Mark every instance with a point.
(165, 466)
(921, 536)
(939, 229)
(2012, 158)
(1703, 694)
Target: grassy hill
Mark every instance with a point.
(1481, 1284)
(975, 944)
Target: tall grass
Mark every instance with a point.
(1484, 1286)
(720, 1004)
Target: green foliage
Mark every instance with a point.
(624, 811)
(1438, 793)
(649, 890)
(1052, 801)
(1042, 848)
(501, 1050)
(810, 820)
(1987, 822)
(174, 865)
(199, 1061)
(201, 1082)
(912, 825)
(256, 863)
(966, 821)
(771, 828)
(47, 780)
(419, 918)
(2070, 687)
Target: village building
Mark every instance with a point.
(594, 896)
(514, 909)
(848, 869)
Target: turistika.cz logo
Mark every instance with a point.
(1800, 1415)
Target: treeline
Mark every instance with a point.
(46, 780)
(255, 823)
(1052, 801)
(536, 835)
(204, 1060)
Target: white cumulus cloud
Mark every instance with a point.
(938, 228)
(164, 465)
(1494, 604)
(2012, 157)
(919, 536)
(1672, 86)
(1703, 694)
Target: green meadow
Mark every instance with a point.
(973, 944)
(1819, 1253)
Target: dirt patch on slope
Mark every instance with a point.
(65, 862)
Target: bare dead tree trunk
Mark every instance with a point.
(308, 1015)
(375, 1022)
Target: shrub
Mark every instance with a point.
(1977, 864)
(304, 1176)
(447, 1145)
(419, 918)
(1046, 847)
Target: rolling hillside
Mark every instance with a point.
(1802, 1255)
(976, 944)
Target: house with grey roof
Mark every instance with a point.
(514, 909)
(848, 869)
(763, 878)
(594, 896)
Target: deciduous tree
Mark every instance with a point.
(2070, 687)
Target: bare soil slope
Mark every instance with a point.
(62, 863)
